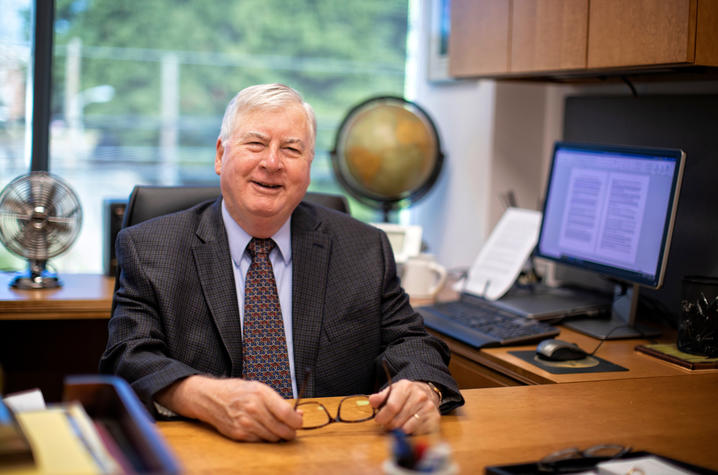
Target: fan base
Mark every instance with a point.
(34, 283)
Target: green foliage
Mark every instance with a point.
(336, 53)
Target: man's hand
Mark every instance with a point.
(242, 410)
(412, 406)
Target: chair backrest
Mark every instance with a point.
(337, 202)
(151, 201)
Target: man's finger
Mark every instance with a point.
(277, 416)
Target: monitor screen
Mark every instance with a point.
(610, 209)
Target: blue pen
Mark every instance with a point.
(403, 453)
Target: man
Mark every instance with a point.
(179, 334)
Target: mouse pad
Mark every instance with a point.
(589, 364)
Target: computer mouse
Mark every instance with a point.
(559, 350)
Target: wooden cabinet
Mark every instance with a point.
(479, 38)
(520, 38)
(548, 35)
(652, 32)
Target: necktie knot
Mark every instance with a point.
(260, 246)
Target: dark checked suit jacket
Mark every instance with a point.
(175, 311)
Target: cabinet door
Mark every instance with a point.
(479, 38)
(641, 32)
(548, 35)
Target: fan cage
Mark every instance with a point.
(40, 216)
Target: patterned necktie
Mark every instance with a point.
(264, 344)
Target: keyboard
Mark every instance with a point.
(480, 324)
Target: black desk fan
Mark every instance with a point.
(40, 218)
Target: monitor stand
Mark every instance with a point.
(622, 323)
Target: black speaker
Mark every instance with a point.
(113, 212)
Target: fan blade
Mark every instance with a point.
(34, 243)
(62, 225)
(18, 206)
(42, 192)
(70, 215)
(20, 217)
(43, 247)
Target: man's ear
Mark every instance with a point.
(218, 157)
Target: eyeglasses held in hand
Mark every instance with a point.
(575, 460)
(351, 408)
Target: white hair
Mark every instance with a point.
(264, 96)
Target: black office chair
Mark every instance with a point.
(150, 201)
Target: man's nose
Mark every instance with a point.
(272, 160)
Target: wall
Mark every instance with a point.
(495, 137)
(453, 214)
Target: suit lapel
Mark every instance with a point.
(214, 268)
(310, 261)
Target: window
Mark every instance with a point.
(139, 87)
(15, 70)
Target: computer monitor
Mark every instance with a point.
(610, 209)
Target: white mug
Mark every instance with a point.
(423, 277)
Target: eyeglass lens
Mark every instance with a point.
(351, 408)
(355, 409)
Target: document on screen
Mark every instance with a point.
(604, 214)
(500, 261)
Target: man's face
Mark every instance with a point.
(264, 167)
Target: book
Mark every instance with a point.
(15, 449)
(670, 352)
(64, 439)
(55, 442)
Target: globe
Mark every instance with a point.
(387, 153)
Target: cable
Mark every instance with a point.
(630, 85)
(617, 327)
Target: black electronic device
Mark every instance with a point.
(113, 214)
(610, 209)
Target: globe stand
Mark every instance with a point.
(386, 208)
(36, 278)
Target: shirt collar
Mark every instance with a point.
(239, 238)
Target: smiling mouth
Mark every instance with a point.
(268, 186)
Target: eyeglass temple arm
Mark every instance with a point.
(388, 382)
(303, 387)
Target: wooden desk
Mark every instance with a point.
(492, 367)
(37, 328)
(48, 334)
(672, 416)
(82, 296)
